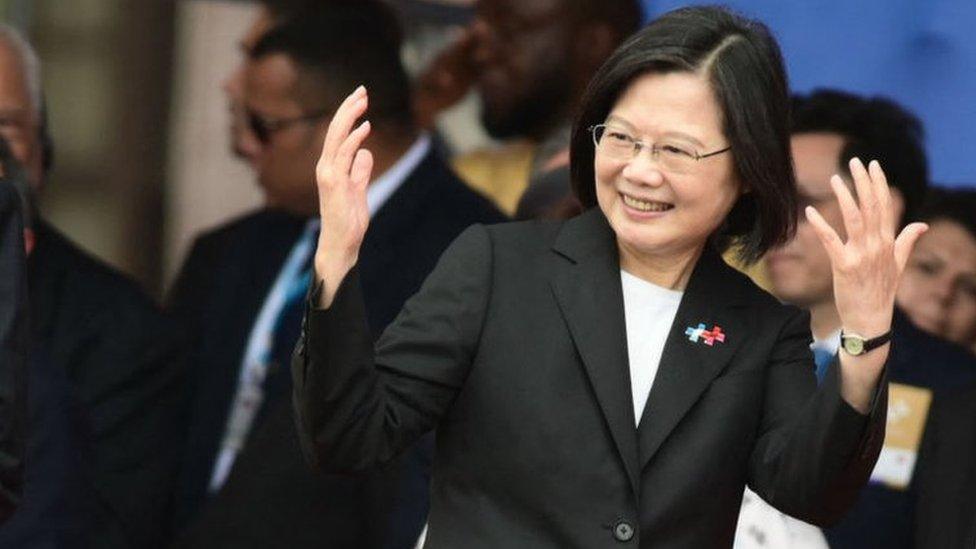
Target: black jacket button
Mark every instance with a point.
(623, 531)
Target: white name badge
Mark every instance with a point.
(908, 408)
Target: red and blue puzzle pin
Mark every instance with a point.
(708, 337)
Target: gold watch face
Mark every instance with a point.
(853, 345)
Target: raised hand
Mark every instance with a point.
(866, 269)
(342, 174)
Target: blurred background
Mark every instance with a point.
(139, 121)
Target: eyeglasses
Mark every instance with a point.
(264, 127)
(620, 145)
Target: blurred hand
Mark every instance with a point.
(866, 270)
(447, 79)
(342, 174)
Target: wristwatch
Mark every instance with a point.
(856, 345)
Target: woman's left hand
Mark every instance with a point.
(866, 270)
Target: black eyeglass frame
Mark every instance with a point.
(638, 144)
(264, 128)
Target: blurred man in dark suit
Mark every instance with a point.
(829, 129)
(245, 483)
(13, 342)
(106, 420)
(945, 514)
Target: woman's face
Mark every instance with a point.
(938, 288)
(665, 205)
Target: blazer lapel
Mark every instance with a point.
(586, 284)
(688, 367)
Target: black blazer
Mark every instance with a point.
(219, 293)
(515, 350)
(13, 349)
(946, 477)
(123, 362)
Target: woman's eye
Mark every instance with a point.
(675, 150)
(968, 288)
(926, 267)
(622, 137)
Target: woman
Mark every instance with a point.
(938, 291)
(609, 379)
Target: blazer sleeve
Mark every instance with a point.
(13, 351)
(814, 453)
(357, 408)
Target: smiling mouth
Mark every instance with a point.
(646, 205)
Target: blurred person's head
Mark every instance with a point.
(299, 73)
(707, 89)
(270, 13)
(12, 173)
(938, 288)
(830, 128)
(21, 105)
(535, 57)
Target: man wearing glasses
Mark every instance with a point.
(241, 290)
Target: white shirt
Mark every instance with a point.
(249, 394)
(649, 312)
(830, 343)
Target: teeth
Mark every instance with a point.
(645, 206)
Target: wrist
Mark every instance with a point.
(330, 271)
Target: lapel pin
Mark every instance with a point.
(708, 337)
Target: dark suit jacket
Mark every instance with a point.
(515, 349)
(271, 498)
(123, 362)
(13, 350)
(946, 476)
(880, 518)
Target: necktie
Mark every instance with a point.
(822, 358)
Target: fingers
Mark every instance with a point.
(868, 203)
(345, 116)
(853, 222)
(889, 223)
(362, 167)
(343, 160)
(828, 236)
(906, 242)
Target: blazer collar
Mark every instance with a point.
(715, 296)
(586, 284)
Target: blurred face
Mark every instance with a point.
(19, 123)
(286, 162)
(800, 270)
(243, 143)
(524, 60)
(655, 210)
(938, 288)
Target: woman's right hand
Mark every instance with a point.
(342, 174)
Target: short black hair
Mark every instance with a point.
(873, 128)
(956, 205)
(284, 9)
(745, 68)
(340, 46)
(625, 17)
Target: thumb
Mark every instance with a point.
(906, 242)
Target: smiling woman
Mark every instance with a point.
(610, 378)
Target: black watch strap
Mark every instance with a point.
(856, 345)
